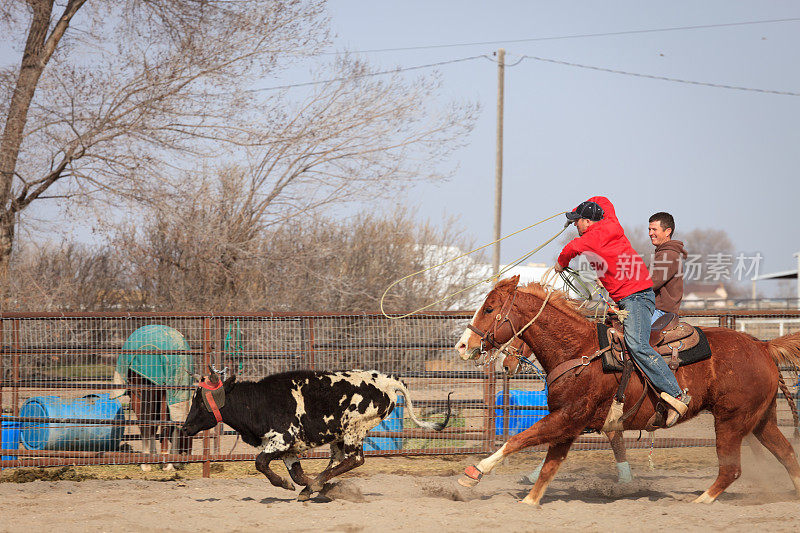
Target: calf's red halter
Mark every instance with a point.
(213, 397)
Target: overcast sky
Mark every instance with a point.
(713, 157)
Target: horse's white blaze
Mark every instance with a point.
(488, 464)
(462, 346)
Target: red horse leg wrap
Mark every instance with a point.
(472, 472)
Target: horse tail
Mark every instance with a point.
(792, 406)
(786, 350)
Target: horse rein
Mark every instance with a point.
(500, 319)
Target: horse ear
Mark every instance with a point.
(508, 283)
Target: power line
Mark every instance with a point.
(370, 74)
(522, 58)
(562, 37)
(653, 77)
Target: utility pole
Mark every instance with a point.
(498, 169)
(798, 279)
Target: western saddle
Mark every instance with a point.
(668, 336)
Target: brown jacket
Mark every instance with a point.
(666, 271)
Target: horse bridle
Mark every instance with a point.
(488, 337)
(501, 319)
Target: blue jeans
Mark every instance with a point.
(658, 313)
(640, 307)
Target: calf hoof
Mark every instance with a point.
(286, 484)
(304, 495)
(146, 468)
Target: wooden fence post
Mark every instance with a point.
(206, 363)
(15, 367)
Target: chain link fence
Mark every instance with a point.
(113, 388)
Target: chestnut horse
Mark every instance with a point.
(738, 384)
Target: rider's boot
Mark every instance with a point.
(678, 406)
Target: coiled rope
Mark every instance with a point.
(493, 276)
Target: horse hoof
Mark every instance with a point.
(468, 482)
(527, 500)
(704, 498)
(169, 467)
(304, 495)
(471, 476)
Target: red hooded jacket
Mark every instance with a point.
(620, 269)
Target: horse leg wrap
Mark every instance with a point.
(471, 476)
(613, 419)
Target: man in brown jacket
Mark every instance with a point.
(666, 269)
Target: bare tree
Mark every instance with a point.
(109, 95)
(69, 276)
(134, 101)
(206, 255)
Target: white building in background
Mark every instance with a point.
(703, 296)
(452, 274)
(786, 274)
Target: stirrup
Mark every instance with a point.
(678, 408)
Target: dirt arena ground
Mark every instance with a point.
(408, 494)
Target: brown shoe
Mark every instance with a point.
(678, 407)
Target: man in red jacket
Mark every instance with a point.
(624, 275)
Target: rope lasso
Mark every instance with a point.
(569, 276)
(501, 272)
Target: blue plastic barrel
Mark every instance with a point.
(518, 419)
(68, 436)
(393, 422)
(9, 437)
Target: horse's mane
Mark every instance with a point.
(558, 298)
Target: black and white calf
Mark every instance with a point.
(286, 414)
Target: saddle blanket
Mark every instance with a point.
(611, 364)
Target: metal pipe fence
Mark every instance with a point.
(110, 388)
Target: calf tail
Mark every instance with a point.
(436, 426)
